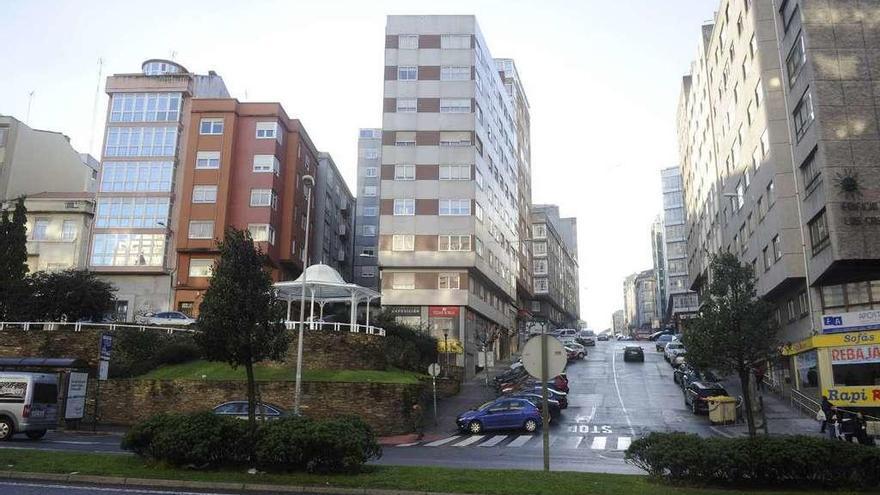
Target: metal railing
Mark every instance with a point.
(332, 326)
(803, 403)
(79, 326)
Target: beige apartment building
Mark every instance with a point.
(449, 219)
(59, 228)
(554, 267)
(779, 145)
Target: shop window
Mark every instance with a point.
(807, 367)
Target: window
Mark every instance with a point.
(765, 143)
(796, 60)
(208, 159)
(449, 281)
(68, 230)
(405, 138)
(406, 105)
(453, 138)
(403, 242)
(201, 267)
(478, 246)
(408, 41)
(145, 107)
(131, 212)
(407, 73)
(368, 271)
(539, 231)
(777, 248)
(541, 286)
(788, 19)
(753, 46)
(740, 195)
(370, 191)
(536, 306)
(455, 105)
(759, 94)
(41, 226)
(371, 211)
(455, 207)
(371, 172)
(455, 172)
(455, 41)
(211, 126)
(266, 164)
(204, 194)
(4, 132)
(136, 176)
(819, 232)
(267, 130)
(762, 209)
(803, 115)
(767, 258)
(403, 281)
(454, 243)
(771, 194)
(141, 141)
(371, 154)
(540, 266)
(478, 211)
(368, 230)
(404, 207)
(478, 178)
(750, 113)
(128, 249)
(455, 73)
(263, 197)
(539, 248)
(809, 171)
(201, 229)
(404, 172)
(262, 232)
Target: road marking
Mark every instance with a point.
(411, 444)
(493, 441)
(570, 443)
(468, 441)
(100, 489)
(442, 442)
(623, 442)
(620, 397)
(73, 442)
(721, 432)
(520, 441)
(598, 443)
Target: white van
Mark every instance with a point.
(28, 404)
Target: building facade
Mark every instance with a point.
(133, 240)
(658, 254)
(59, 227)
(334, 221)
(554, 267)
(782, 88)
(647, 315)
(678, 302)
(366, 234)
(630, 307)
(448, 231)
(243, 167)
(617, 324)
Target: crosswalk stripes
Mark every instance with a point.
(598, 443)
(575, 442)
(469, 441)
(493, 441)
(520, 441)
(623, 443)
(443, 441)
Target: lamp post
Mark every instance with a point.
(446, 352)
(308, 183)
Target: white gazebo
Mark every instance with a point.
(324, 285)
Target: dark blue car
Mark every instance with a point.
(499, 414)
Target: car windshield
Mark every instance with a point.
(487, 405)
(666, 338)
(709, 392)
(675, 346)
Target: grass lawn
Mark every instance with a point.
(204, 370)
(488, 482)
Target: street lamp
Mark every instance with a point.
(308, 183)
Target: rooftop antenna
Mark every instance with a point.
(173, 54)
(95, 105)
(27, 117)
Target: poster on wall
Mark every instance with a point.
(75, 406)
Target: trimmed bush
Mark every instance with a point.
(764, 461)
(180, 352)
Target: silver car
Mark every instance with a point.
(28, 404)
(170, 318)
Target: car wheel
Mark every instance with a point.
(35, 434)
(475, 427)
(694, 407)
(581, 355)
(530, 425)
(6, 429)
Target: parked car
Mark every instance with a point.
(679, 373)
(535, 398)
(693, 375)
(679, 360)
(576, 351)
(239, 409)
(586, 337)
(697, 393)
(633, 353)
(662, 340)
(503, 413)
(672, 349)
(602, 337)
(171, 318)
(566, 340)
(552, 393)
(28, 404)
(564, 332)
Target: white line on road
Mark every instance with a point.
(623, 442)
(598, 443)
(721, 432)
(442, 442)
(73, 442)
(92, 488)
(620, 397)
(520, 441)
(570, 443)
(468, 441)
(493, 441)
(411, 444)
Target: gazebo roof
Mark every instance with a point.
(324, 284)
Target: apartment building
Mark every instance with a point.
(617, 325)
(134, 236)
(554, 267)
(658, 254)
(630, 308)
(59, 226)
(242, 166)
(784, 89)
(448, 229)
(366, 228)
(677, 301)
(333, 237)
(647, 314)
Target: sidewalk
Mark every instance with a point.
(781, 418)
(473, 393)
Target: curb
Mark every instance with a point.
(208, 485)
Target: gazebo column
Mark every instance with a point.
(368, 312)
(353, 318)
(312, 309)
(287, 322)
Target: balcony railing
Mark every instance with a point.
(80, 326)
(328, 326)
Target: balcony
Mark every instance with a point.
(342, 230)
(340, 255)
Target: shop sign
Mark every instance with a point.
(852, 321)
(854, 396)
(858, 354)
(452, 346)
(443, 311)
(404, 310)
(832, 340)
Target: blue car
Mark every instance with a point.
(499, 414)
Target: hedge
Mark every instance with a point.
(765, 461)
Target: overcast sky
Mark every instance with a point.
(602, 78)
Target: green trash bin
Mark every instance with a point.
(722, 410)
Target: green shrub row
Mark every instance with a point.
(205, 440)
(765, 461)
(138, 352)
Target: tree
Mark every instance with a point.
(69, 295)
(240, 319)
(734, 331)
(13, 260)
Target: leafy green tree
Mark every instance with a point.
(240, 319)
(734, 331)
(13, 260)
(70, 295)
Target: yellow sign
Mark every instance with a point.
(854, 396)
(833, 340)
(453, 345)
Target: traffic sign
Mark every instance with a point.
(434, 369)
(556, 357)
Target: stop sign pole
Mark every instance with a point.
(544, 357)
(545, 416)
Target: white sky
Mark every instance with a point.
(602, 77)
